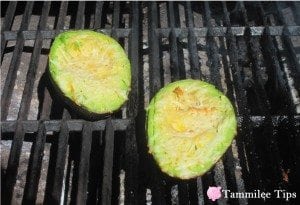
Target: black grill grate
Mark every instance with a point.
(248, 50)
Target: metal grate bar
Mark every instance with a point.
(12, 166)
(254, 162)
(98, 14)
(293, 140)
(255, 56)
(195, 74)
(32, 181)
(63, 138)
(177, 72)
(84, 164)
(212, 50)
(17, 143)
(108, 157)
(79, 24)
(55, 125)
(246, 141)
(154, 66)
(34, 170)
(28, 88)
(55, 189)
(116, 15)
(15, 62)
(155, 84)
(193, 53)
(296, 130)
(215, 77)
(290, 69)
(296, 8)
(62, 15)
(294, 144)
(183, 192)
(177, 68)
(271, 170)
(47, 100)
(131, 166)
(50, 34)
(231, 165)
(236, 31)
(131, 155)
(135, 60)
(165, 32)
(215, 66)
(9, 16)
(219, 176)
(116, 19)
(273, 60)
(96, 162)
(288, 43)
(200, 195)
(108, 163)
(141, 139)
(225, 61)
(30, 126)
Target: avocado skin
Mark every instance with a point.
(219, 150)
(85, 111)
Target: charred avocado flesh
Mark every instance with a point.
(91, 69)
(190, 124)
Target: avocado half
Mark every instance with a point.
(190, 125)
(91, 70)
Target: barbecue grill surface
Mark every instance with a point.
(249, 50)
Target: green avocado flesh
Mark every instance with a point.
(190, 125)
(91, 69)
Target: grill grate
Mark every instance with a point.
(248, 50)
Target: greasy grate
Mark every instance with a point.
(248, 50)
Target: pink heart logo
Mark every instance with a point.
(214, 192)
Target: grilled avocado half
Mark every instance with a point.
(190, 125)
(91, 69)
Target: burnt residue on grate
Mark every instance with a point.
(249, 50)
